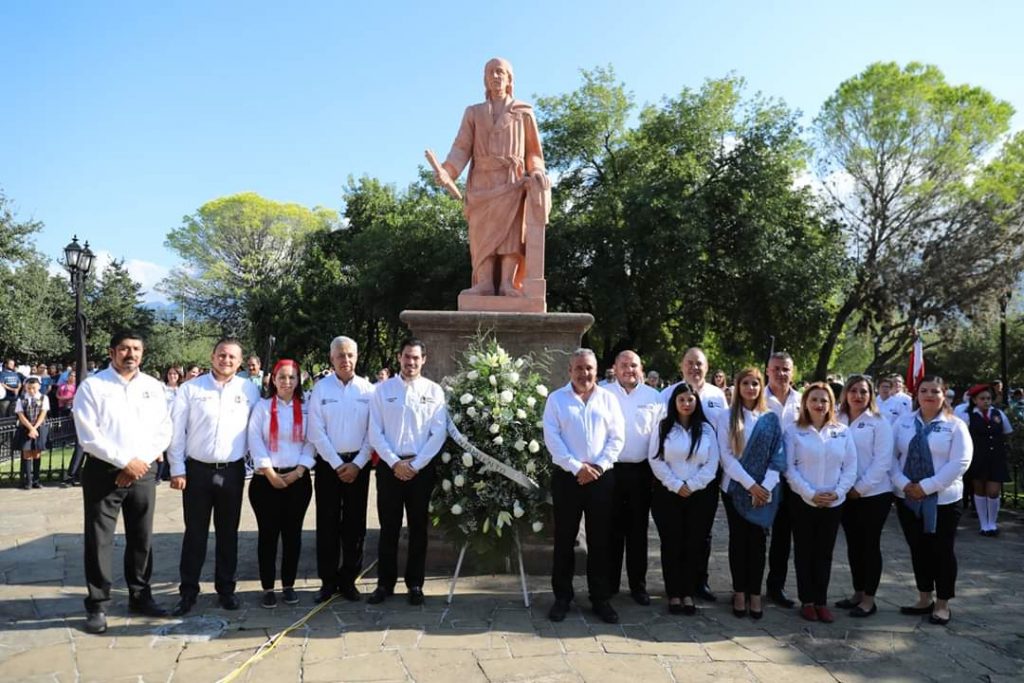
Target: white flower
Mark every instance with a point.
(519, 445)
(539, 424)
(519, 363)
(520, 413)
(542, 390)
(533, 446)
(493, 380)
(446, 485)
(487, 524)
(504, 519)
(531, 467)
(467, 460)
(473, 359)
(466, 399)
(457, 510)
(537, 526)
(494, 428)
(531, 401)
(498, 440)
(472, 375)
(506, 396)
(513, 377)
(471, 411)
(517, 510)
(446, 457)
(459, 480)
(457, 418)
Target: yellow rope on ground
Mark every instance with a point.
(272, 643)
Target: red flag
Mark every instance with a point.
(915, 370)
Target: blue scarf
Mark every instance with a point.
(763, 450)
(918, 466)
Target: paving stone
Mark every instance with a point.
(618, 668)
(449, 639)
(362, 642)
(377, 666)
(94, 665)
(279, 664)
(532, 646)
(57, 660)
(771, 672)
(543, 668)
(401, 638)
(731, 651)
(428, 666)
(718, 672)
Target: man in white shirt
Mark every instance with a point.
(584, 431)
(892, 404)
(694, 369)
(339, 420)
(783, 400)
(408, 427)
(641, 406)
(207, 458)
(123, 425)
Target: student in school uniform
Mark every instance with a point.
(31, 434)
(989, 427)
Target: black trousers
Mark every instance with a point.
(863, 520)
(279, 515)
(630, 519)
(394, 496)
(682, 528)
(103, 501)
(747, 545)
(340, 525)
(573, 502)
(814, 537)
(216, 492)
(781, 540)
(932, 555)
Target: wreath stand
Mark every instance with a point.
(522, 570)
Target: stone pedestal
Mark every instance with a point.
(447, 334)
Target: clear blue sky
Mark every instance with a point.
(119, 118)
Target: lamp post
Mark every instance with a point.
(1004, 301)
(78, 262)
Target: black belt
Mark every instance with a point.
(348, 457)
(216, 465)
(407, 457)
(279, 470)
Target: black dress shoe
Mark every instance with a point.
(641, 597)
(914, 610)
(689, 610)
(606, 612)
(756, 614)
(558, 610)
(780, 598)
(289, 596)
(323, 595)
(675, 608)
(859, 612)
(229, 601)
(845, 603)
(146, 606)
(939, 621)
(704, 593)
(350, 593)
(183, 606)
(416, 596)
(96, 622)
(378, 596)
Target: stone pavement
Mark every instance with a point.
(486, 634)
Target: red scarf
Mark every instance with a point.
(296, 407)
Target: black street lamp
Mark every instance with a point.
(78, 262)
(1004, 301)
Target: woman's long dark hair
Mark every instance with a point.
(298, 395)
(671, 419)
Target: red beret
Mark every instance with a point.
(978, 388)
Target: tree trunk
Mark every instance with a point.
(834, 330)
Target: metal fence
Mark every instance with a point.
(56, 459)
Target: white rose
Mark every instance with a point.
(537, 526)
(466, 399)
(459, 480)
(517, 510)
(520, 413)
(519, 445)
(531, 467)
(513, 377)
(467, 460)
(446, 457)
(493, 380)
(531, 401)
(457, 510)
(533, 446)
(542, 390)
(471, 411)
(457, 418)
(506, 396)
(446, 485)
(539, 424)
(472, 375)
(473, 359)
(520, 362)
(497, 441)
(494, 428)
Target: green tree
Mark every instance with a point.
(113, 302)
(933, 231)
(15, 235)
(234, 246)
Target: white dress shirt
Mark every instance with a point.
(678, 467)
(119, 420)
(576, 432)
(787, 412)
(731, 467)
(339, 419)
(210, 421)
(289, 453)
(820, 461)
(44, 404)
(895, 407)
(712, 399)
(872, 437)
(408, 418)
(641, 409)
(952, 450)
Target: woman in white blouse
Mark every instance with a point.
(280, 492)
(683, 454)
(932, 451)
(869, 501)
(821, 467)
